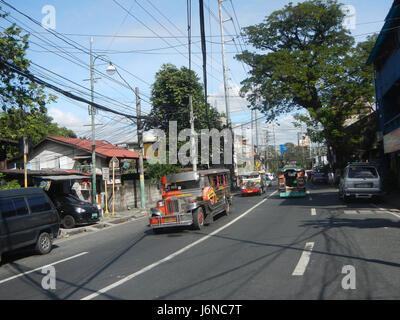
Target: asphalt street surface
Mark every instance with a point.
(268, 248)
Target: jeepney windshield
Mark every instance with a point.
(183, 185)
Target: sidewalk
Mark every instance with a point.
(106, 221)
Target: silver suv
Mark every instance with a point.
(360, 180)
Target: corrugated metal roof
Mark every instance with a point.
(103, 148)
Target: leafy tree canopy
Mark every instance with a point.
(170, 100)
(306, 60)
(23, 102)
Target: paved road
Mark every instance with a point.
(267, 248)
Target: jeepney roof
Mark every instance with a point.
(296, 168)
(193, 175)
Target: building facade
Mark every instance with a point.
(385, 58)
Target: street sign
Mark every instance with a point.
(106, 173)
(115, 161)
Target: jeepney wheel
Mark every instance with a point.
(158, 230)
(198, 218)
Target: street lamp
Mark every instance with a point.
(110, 70)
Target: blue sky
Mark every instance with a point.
(132, 42)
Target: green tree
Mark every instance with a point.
(13, 184)
(307, 61)
(154, 172)
(170, 99)
(23, 102)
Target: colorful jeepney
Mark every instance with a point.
(192, 198)
(253, 183)
(292, 182)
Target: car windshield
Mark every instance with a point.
(362, 172)
(184, 185)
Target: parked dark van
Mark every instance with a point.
(27, 217)
(74, 211)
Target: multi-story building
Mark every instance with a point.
(385, 58)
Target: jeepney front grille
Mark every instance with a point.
(172, 206)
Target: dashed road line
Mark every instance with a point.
(304, 260)
(313, 212)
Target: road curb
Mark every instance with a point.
(103, 224)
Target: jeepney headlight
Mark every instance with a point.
(155, 212)
(192, 200)
(160, 204)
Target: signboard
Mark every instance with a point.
(106, 173)
(115, 161)
(391, 141)
(116, 182)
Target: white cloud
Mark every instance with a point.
(67, 119)
(237, 104)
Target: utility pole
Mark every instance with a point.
(252, 134)
(92, 113)
(266, 150)
(228, 117)
(191, 114)
(224, 69)
(256, 120)
(192, 135)
(140, 143)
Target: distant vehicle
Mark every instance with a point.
(291, 182)
(319, 177)
(309, 174)
(27, 217)
(270, 176)
(74, 211)
(189, 198)
(360, 180)
(253, 183)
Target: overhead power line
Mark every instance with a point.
(37, 80)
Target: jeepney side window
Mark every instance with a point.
(219, 181)
(213, 181)
(224, 179)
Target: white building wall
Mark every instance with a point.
(51, 155)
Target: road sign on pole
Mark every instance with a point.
(106, 173)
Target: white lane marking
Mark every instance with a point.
(313, 212)
(40, 268)
(171, 256)
(304, 259)
(386, 210)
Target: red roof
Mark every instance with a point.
(102, 147)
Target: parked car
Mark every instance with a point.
(74, 211)
(27, 217)
(319, 177)
(360, 180)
